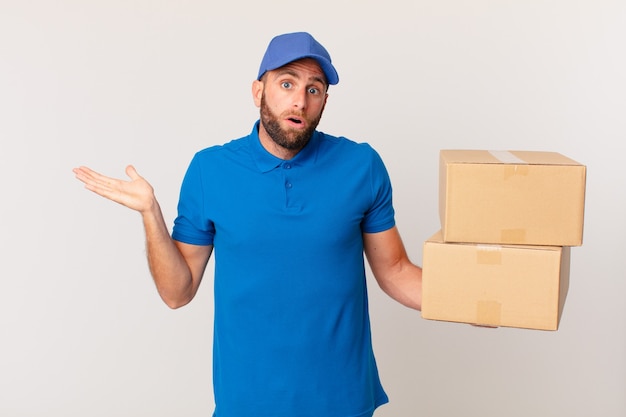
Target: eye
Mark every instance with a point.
(286, 84)
(314, 90)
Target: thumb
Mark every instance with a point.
(132, 172)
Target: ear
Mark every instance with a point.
(257, 92)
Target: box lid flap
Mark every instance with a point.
(474, 156)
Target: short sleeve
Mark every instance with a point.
(381, 215)
(191, 225)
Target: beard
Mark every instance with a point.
(291, 139)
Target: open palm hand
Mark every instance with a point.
(136, 193)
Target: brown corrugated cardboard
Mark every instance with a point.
(494, 285)
(511, 197)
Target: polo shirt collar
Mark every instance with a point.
(266, 162)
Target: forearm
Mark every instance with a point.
(404, 284)
(168, 267)
(396, 274)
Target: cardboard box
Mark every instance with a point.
(493, 285)
(511, 197)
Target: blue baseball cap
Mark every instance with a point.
(290, 47)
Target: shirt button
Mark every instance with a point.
(288, 185)
(287, 166)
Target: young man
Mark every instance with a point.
(289, 211)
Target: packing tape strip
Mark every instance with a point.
(515, 170)
(488, 254)
(488, 313)
(513, 235)
(513, 165)
(507, 157)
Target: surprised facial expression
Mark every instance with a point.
(291, 101)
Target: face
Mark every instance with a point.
(291, 101)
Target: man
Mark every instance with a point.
(289, 211)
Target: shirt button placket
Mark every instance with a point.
(288, 184)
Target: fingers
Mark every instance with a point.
(98, 183)
(136, 193)
(82, 171)
(90, 177)
(85, 174)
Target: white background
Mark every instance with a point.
(108, 83)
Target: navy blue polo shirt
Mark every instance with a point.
(292, 330)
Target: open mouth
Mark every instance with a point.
(295, 120)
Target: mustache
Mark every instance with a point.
(298, 114)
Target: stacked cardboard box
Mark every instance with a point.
(508, 219)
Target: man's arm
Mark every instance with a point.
(394, 272)
(176, 267)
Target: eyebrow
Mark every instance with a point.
(294, 74)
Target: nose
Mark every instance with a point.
(299, 98)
